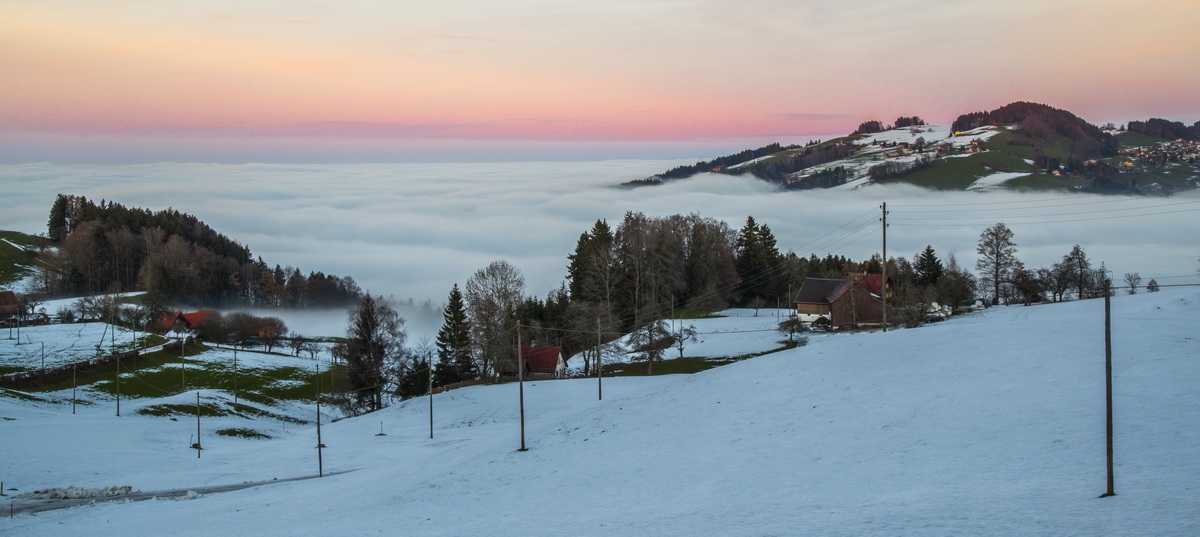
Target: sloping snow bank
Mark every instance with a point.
(988, 424)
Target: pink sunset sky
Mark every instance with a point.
(373, 80)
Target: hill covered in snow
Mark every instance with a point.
(1020, 146)
(987, 424)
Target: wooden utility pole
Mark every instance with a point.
(1108, 398)
(599, 365)
(521, 385)
(197, 446)
(73, 384)
(235, 378)
(429, 362)
(182, 367)
(320, 445)
(883, 282)
(118, 385)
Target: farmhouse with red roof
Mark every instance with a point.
(852, 302)
(541, 362)
(181, 321)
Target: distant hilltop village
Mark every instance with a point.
(1023, 146)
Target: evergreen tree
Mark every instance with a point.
(413, 379)
(454, 343)
(1152, 287)
(928, 267)
(756, 258)
(592, 271)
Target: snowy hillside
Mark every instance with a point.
(873, 154)
(989, 424)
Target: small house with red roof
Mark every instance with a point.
(181, 321)
(541, 362)
(852, 302)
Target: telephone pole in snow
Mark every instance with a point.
(883, 283)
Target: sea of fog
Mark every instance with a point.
(413, 230)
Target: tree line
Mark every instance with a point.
(1006, 279)
(626, 279)
(873, 126)
(1166, 129)
(619, 279)
(174, 257)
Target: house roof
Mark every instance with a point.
(189, 320)
(874, 283)
(194, 319)
(871, 283)
(539, 359)
(817, 290)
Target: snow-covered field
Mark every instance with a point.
(62, 343)
(988, 424)
(860, 163)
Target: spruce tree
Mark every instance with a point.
(454, 343)
(928, 267)
(756, 259)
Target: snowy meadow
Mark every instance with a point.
(956, 428)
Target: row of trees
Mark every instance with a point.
(618, 280)
(892, 169)
(174, 257)
(1006, 277)
(873, 126)
(1167, 129)
(627, 280)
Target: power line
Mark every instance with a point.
(1018, 222)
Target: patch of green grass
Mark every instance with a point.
(158, 374)
(12, 394)
(958, 173)
(6, 369)
(950, 174)
(15, 262)
(249, 411)
(675, 366)
(1008, 142)
(1041, 182)
(207, 410)
(243, 432)
(1134, 139)
(690, 364)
